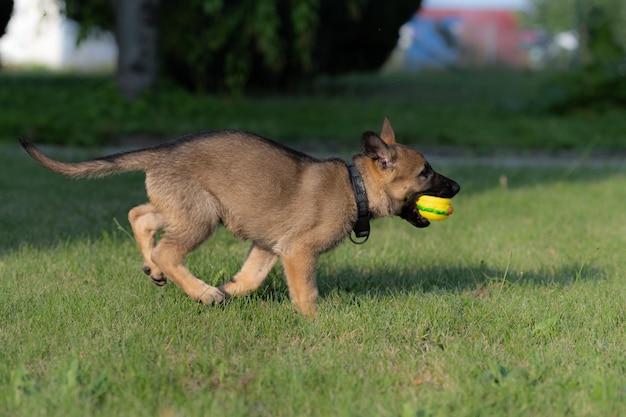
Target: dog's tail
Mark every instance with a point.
(94, 168)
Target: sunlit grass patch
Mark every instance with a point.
(514, 305)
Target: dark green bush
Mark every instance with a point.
(217, 45)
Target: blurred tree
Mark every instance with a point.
(6, 9)
(272, 43)
(359, 35)
(565, 15)
(209, 45)
(555, 16)
(219, 45)
(600, 78)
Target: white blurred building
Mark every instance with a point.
(38, 35)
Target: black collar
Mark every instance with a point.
(362, 225)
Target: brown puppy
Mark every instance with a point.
(290, 205)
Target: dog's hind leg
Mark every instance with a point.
(169, 255)
(252, 274)
(183, 234)
(145, 221)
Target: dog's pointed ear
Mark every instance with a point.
(386, 133)
(373, 146)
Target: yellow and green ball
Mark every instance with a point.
(434, 208)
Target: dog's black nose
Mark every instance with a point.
(455, 188)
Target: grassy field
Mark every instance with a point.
(480, 111)
(514, 306)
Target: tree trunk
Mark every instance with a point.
(136, 34)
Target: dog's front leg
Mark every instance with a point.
(252, 274)
(300, 271)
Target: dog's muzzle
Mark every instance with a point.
(442, 187)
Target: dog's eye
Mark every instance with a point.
(426, 172)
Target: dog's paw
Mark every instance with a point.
(212, 295)
(159, 281)
(156, 276)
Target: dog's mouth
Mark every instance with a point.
(446, 188)
(411, 214)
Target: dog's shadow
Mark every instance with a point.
(480, 280)
(452, 279)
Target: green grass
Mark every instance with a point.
(513, 306)
(480, 111)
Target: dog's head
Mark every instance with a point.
(401, 175)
